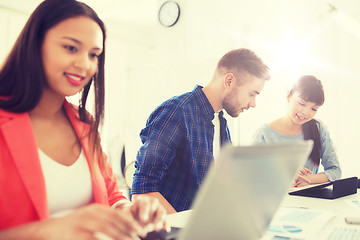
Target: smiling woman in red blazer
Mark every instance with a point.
(55, 182)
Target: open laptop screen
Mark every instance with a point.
(243, 190)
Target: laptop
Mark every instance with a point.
(329, 190)
(242, 191)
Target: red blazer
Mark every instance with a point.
(22, 187)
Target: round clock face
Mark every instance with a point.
(169, 13)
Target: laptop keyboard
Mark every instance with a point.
(172, 235)
(344, 233)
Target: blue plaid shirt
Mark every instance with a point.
(177, 148)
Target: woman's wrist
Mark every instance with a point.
(119, 205)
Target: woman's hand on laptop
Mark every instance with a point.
(94, 221)
(301, 179)
(148, 212)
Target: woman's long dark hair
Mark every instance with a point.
(22, 76)
(311, 90)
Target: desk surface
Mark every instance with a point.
(340, 207)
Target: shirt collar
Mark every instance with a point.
(204, 102)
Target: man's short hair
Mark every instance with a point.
(240, 61)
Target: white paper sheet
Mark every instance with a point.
(297, 223)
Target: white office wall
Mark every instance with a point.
(324, 43)
(148, 63)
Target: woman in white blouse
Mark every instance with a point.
(55, 182)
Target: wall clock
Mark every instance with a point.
(169, 13)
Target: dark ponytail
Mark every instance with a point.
(311, 131)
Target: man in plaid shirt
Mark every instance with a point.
(179, 138)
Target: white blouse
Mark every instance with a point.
(67, 187)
